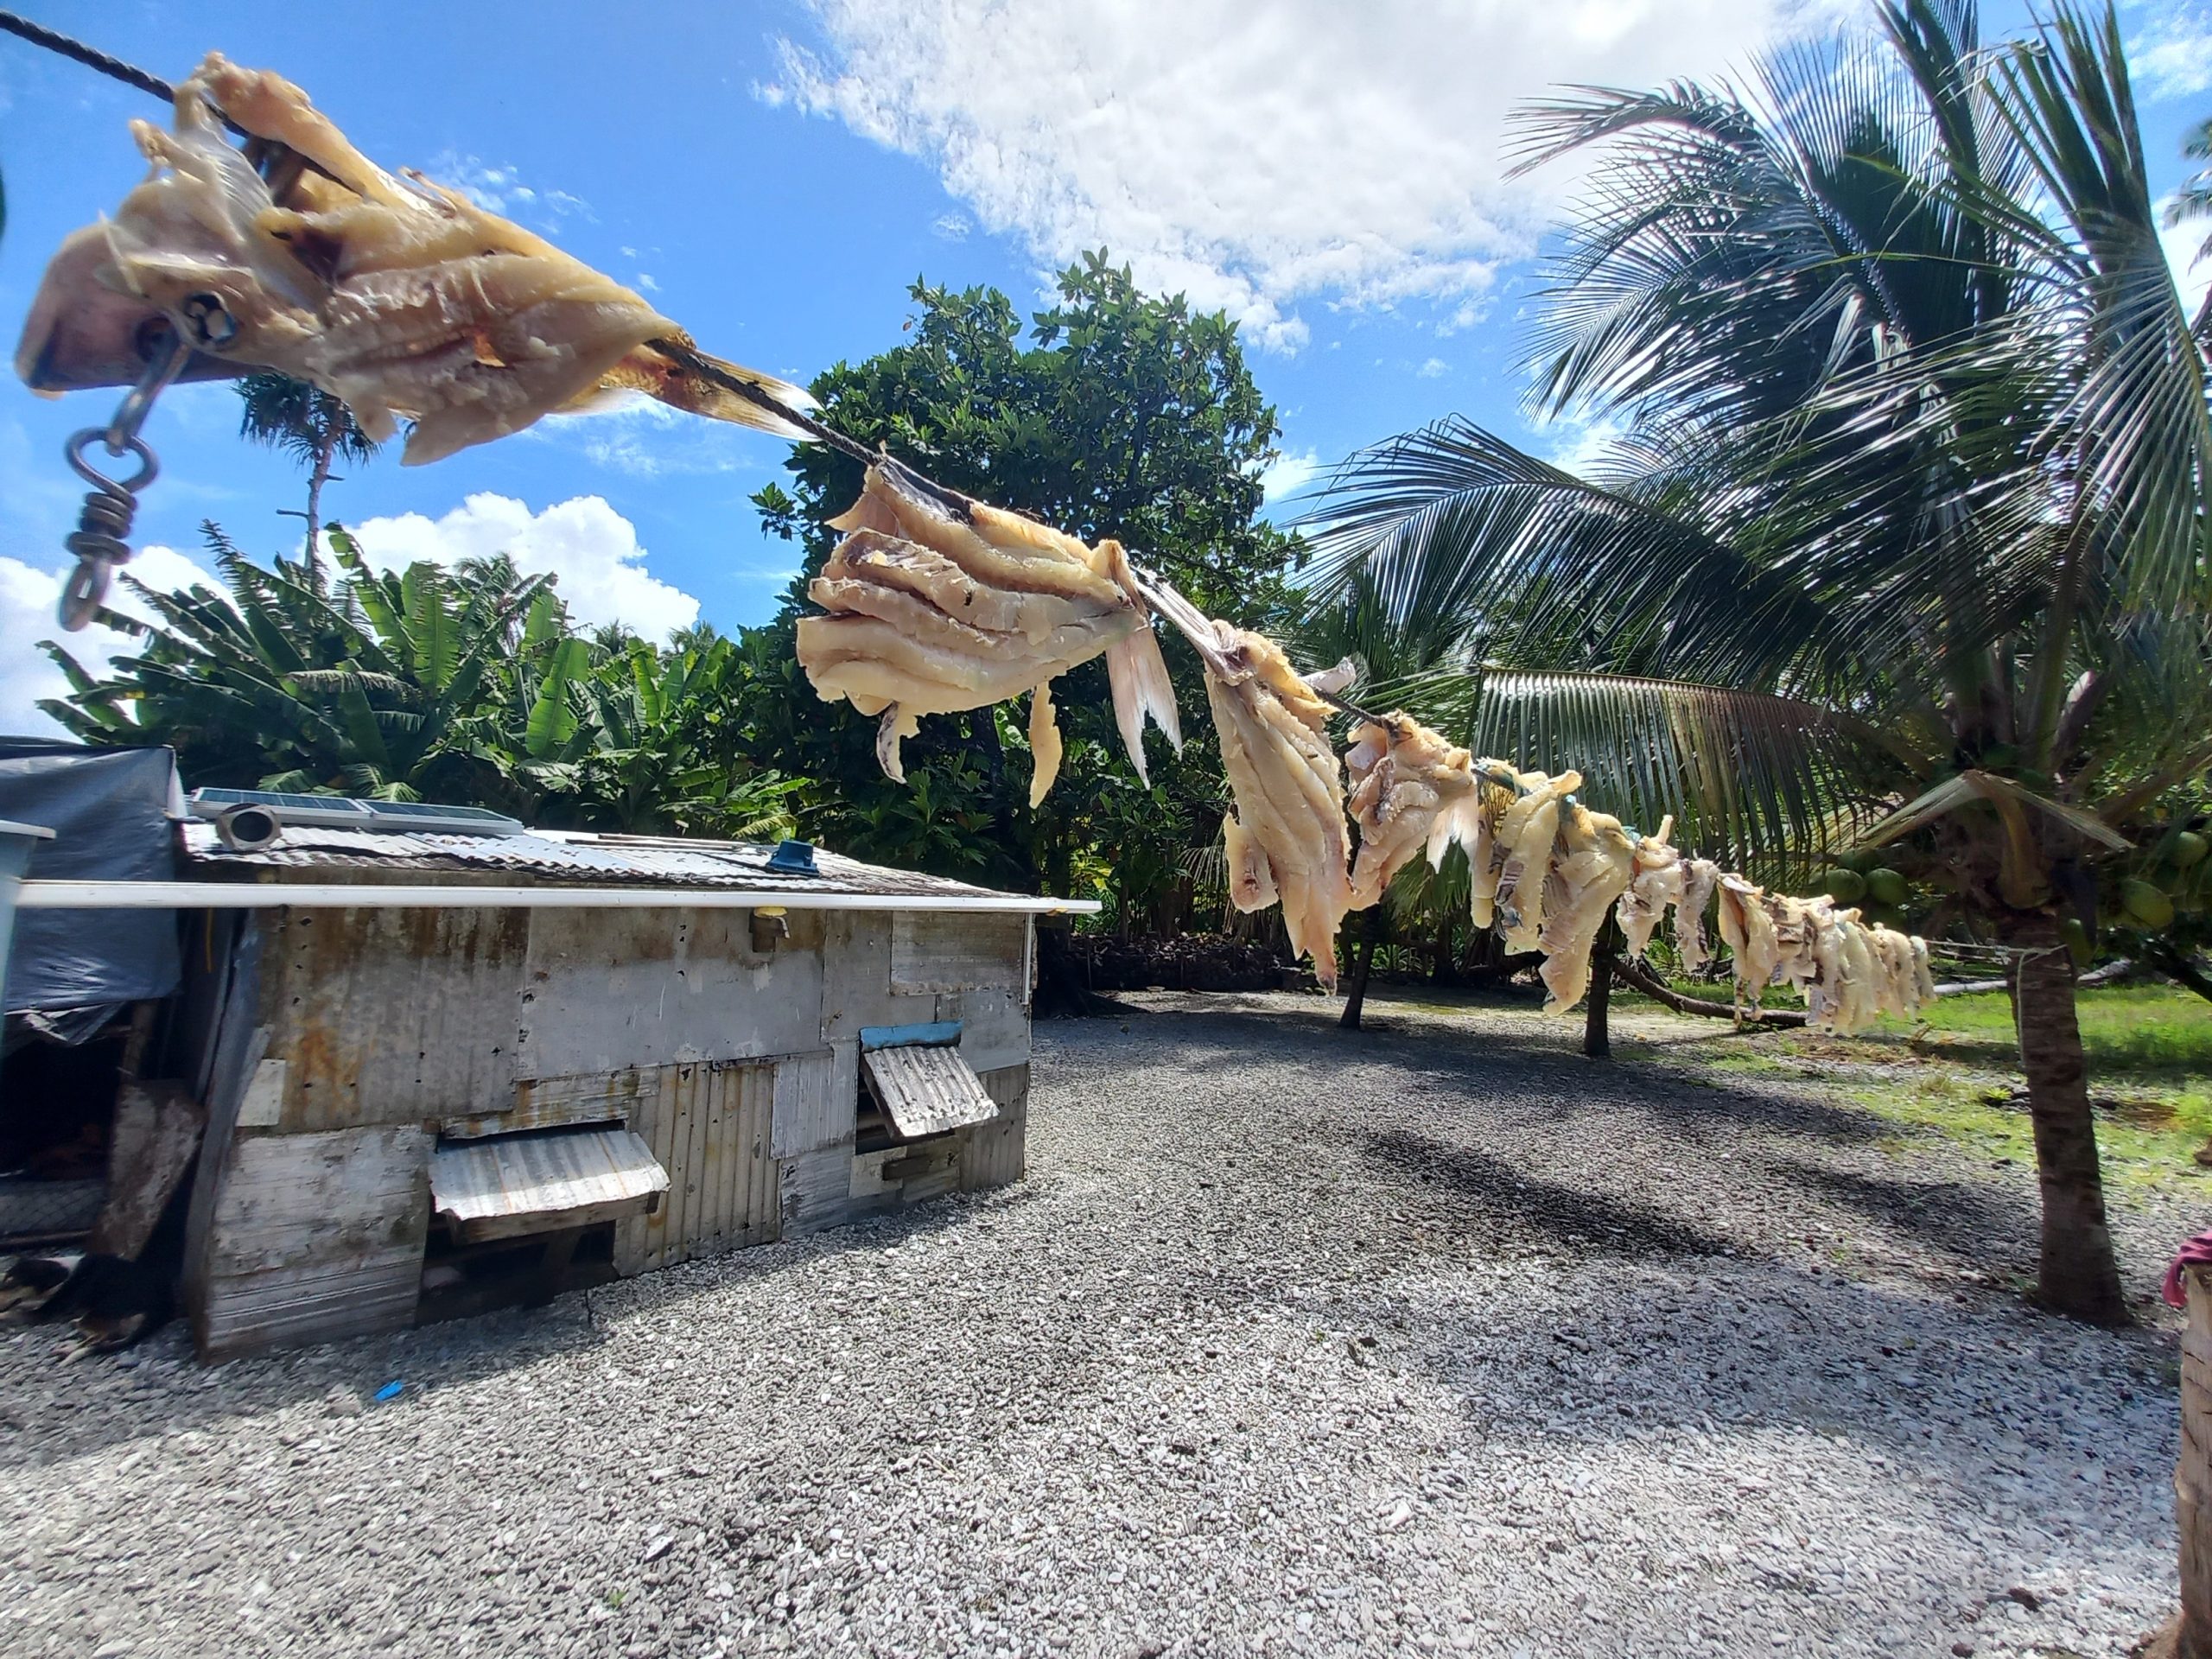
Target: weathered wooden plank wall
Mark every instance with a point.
(393, 1016)
(945, 951)
(739, 1068)
(316, 1236)
(996, 1152)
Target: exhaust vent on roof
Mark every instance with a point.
(338, 812)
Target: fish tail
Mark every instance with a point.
(1138, 674)
(681, 375)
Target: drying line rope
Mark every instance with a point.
(91, 56)
(690, 356)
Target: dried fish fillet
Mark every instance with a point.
(936, 603)
(1656, 884)
(1595, 862)
(1287, 838)
(1412, 792)
(1896, 989)
(405, 300)
(1523, 852)
(1749, 932)
(1700, 878)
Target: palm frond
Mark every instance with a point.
(1764, 783)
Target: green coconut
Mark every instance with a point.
(1845, 887)
(2188, 849)
(2076, 938)
(2146, 906)
(1887, 887)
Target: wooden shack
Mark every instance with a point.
(422, 1101)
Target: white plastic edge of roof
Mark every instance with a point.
(272, 895)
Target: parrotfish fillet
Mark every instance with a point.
(934, 604)
(405, 300)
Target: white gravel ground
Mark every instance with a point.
(1437, 1336)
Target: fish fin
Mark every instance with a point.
(1045, 745)
(686, 377)
(1251, 878)
(892, 727)
(1333, 681)
(1138, 674)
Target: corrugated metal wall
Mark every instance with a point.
(709, 1124)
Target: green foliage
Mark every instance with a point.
(1915, 445)
(1112, 414)
(466, 685)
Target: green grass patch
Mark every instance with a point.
(1954, 1075)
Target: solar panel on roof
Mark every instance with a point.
(343, 812)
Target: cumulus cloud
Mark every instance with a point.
(500, 189)
(2171, 56)
(591, 548)
(1433, 368)
(1576, 446)
(1287, 474)
(1253, 156)
(29, 597)
(2183, 243)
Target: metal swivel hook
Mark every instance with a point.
(101, 538)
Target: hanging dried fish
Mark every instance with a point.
(1411, 792)
(404, 299)
(1657, 884)
(935, 604)
(1593, 865)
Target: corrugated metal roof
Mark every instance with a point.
(557, 858)
(927, 1089)
(527, 1183)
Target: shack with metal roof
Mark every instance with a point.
(444, 1071)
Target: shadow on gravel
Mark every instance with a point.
(1493, 1071)
(1971, 1224)
(92, 1407)
(1526, 1207)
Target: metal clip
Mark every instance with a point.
(101, 538)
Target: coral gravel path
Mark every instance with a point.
(1435, 1337)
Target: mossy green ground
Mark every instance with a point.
(2149, 1052)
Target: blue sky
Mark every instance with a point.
(774, 175)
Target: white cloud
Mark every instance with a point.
(1287, 474)
(1576, 446)
(1253, 156)
(591, 548)
(645, 283)
(1433, 368)
(2182, 243)
(952, 227)
(644, 438)
(500, 189)
(2171, 56)
(28, 598)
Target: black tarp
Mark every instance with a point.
(108, 809)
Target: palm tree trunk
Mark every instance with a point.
(2077, 1274)
(318, 475)
(1596, 1041)
(1356, 998)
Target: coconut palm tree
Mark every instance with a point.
(1914, 447)
(313, 427)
